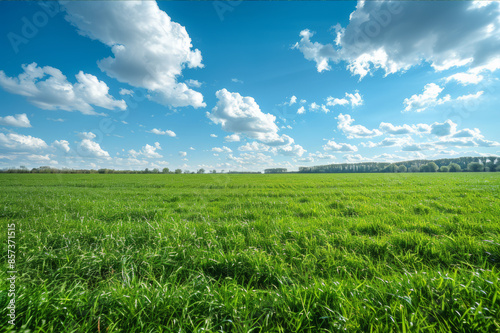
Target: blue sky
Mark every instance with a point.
(246, 85)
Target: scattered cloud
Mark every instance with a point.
(338, 147)
(395, 130)
(395, 36)
(182, 153)
(290, 150)
(314, 106)
(385, 157)
(466, 133)
(213, 135)
(319, 53)
(422, 128)
(147, 151)
(18, 120)
(254, 146)
(429, 98)
(251, 158)
(149, 49)
(124, 92)
(355, 158)
(236, 81)
(224, 149)
(242, 115)
(443, 129)
(193, 83)
(16, 141)
(354, 131)
(89, 148)
(389, 142)
(47, 88)
(61, 144)
(469, 97)
(465, 78)
(350, 99)
(160, 132)
(322, 156)
(417, 147)
(307, 159)
(486, 143)
(232, 138)
(292, 101)
(40, 158)
(446, 133)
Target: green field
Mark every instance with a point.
(254, 253)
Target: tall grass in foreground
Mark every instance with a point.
(254, 253)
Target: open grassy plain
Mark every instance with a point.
(254, 253)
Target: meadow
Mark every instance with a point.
(253, 253)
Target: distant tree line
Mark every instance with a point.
(244, 172)
(275, 170)
(48, 169)
(473, 164)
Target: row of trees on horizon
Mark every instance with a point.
(472, 164)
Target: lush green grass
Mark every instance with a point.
(259, 253)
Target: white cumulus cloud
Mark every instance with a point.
(321, 156)
(242, 115)
(254, 146)
(290, 150)
(224, 149)
(124, 91)
(148, 151)
(395, 130)
(350, 99)
(429, 98)
(18, 120)
(193, 83)
(149, 49)
(89, 148)
(62, 144)
(47, 88)
(465, 78)
(319, 53)
(333, 146)
(355, 131)
(292, 101)
(21, 142)
(160, 132)
(232, 138)
(443, 129)
(396, 35)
